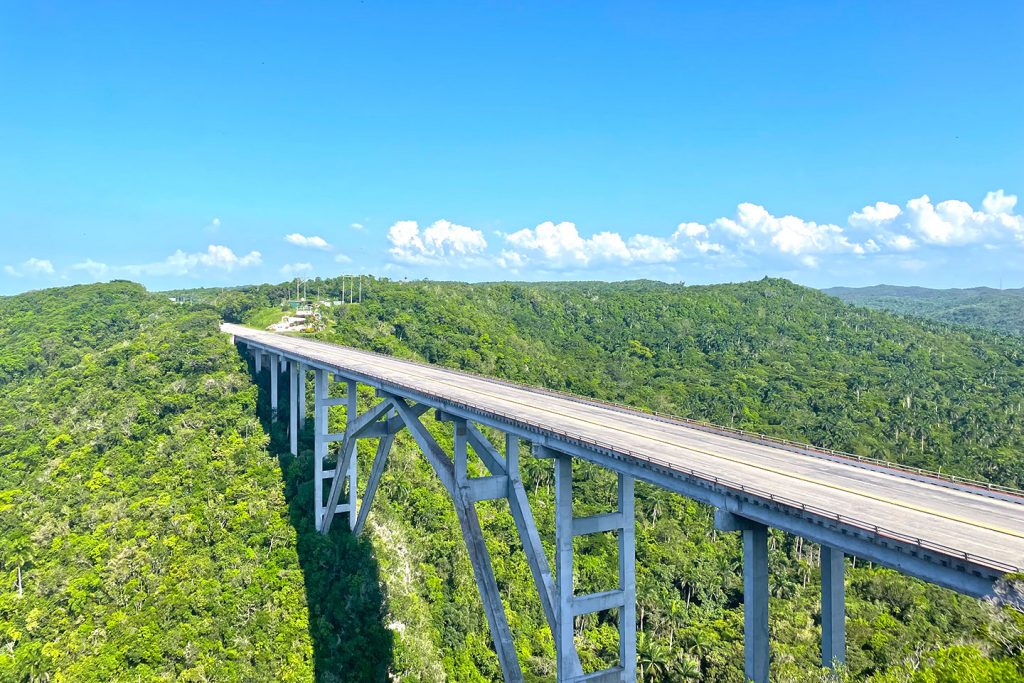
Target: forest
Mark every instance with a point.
(155, 528)
(1001, 310)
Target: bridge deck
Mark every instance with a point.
(964, 521)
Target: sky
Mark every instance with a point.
(208, 144)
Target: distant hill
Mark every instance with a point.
(1000, 310)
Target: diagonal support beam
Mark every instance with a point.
(473, 536)
(483, 447)
(345, 470)
(379, 461)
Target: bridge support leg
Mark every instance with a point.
(624, 598)
(319, 443)
(353, 455)
(833, 607)
(377, 471)
(472, 534)
(755, 602)
(302, 395)
(259, 361)
(755, 592)
(274, 372)
(293, 409)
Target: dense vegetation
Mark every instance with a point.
(767, 356)
(156, 538)
(144, 533)
(1001, 310)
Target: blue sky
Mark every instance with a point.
(214, 143)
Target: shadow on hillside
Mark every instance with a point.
(351, 642)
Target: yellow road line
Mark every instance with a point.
(799, 477)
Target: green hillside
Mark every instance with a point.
(1001, 310)
(161, 531)
(767, 356)
(144, 533)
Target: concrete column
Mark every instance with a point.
(259, 361)
(460, 455)
(627, 579)
(564, 645)
(302, 395)
(833, 607)
(293, 409)
(319, 444)
(755, 602)
(353, 471)
(274, 359)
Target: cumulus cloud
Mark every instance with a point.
(440, 242)
(95, 269)
(560, 246)
(311, 242)
(216, 257)
(294, 269)
(342, 258)
(32, 266)
(357, 226)
(875, 215)
(954, 222)
(754, 229)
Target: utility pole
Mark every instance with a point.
(360, 288)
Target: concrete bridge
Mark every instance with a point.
(959, 534)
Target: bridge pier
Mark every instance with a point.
(755, 592)
(320, 394)
(302, 394)
(293, 409)
(274, 372)
(833, 607)
(623, 598)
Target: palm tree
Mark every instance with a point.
(698, 645)
(687, 669)
(652, 658)
(18, 554)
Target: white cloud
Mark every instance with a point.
(875, 215)
(95, 269)
(440, 242)
(293, 269)
(214, 225)
(342, 258)
(357, 226)
(755, 229)
(954, 222)
(311, 242)
(32, 266)
(650, 249)
(901, 242)
(696, 234)
(216, 257)
(560, 246)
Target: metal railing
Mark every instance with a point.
(673, 468)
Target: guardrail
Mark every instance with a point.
(674, 468)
